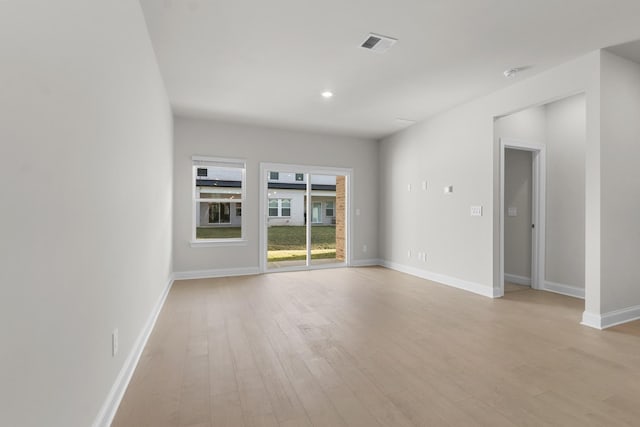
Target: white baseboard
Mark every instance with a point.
(568, 290)
(221, 272)
(612, 318)
(112, 402)
(518, 280)
(476, 288)
(366, 262)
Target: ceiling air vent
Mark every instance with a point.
(378, 43)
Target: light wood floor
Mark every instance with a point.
(374, 347)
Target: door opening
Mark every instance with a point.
(305, 217)
(522, 214)
(518, 224)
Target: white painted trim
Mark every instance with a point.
(224, 162)
(112, 402)
(206, 243)
(518, 280)
(568, 290)
(612, 318)
(366, 262)
(219, 272)
(454, 282)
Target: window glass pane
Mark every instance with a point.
(299, 177)
(204, 193)
(221, 219)
(219, 177)
(286, 203)
(274, 175)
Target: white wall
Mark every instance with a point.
(86, 184)
(620, 158)
(565, 218)
(258, 144)
(457, 148)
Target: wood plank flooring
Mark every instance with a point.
(374, 347)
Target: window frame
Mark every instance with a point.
(205, 161)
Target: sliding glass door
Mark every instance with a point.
(305, 217)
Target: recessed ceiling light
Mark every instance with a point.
(327, 94)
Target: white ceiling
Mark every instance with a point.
(267, 61)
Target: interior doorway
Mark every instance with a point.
(518, 223)
(522, 214)
(305, 217)
(554, 135)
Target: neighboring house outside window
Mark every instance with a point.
(218, 195)
(292, 186)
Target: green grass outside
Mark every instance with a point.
(285, 243)
(218, 233)
(295, 237)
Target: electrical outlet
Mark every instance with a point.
(409, 253)
(424, 185)
(408, 187)
(364, 248)
(114, 342)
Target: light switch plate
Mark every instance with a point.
(512, 211)
(476, 210)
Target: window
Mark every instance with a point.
(274, 176)
(218, 194)
(285, 205)
(273, 207)
(279, 207)
(329, 209)
(299, 177)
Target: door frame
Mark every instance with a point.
(264, 211)
(538, 209)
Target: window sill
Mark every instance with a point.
(217, 243)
